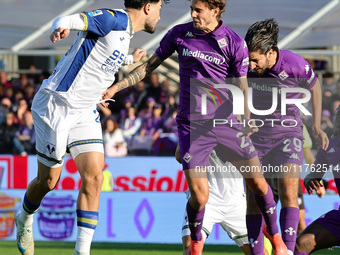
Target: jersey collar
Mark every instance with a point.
(220, 30)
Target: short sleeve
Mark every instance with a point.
(167, 46)
(240, 62)
(306, 75)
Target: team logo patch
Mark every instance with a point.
(50, 147)
(245, 62)
(187, 157)
(189, 34)
(95, 13)
(283, 75)
(222, 42)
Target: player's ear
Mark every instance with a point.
(147, 8)
(216, 11)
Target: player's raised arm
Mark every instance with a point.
(136, 75)
(62, 26)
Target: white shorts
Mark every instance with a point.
(60, 128)
(231, 218)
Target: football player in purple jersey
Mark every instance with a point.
(325, 231)
(278, 79)
(209, 54)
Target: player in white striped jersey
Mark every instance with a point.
(226, 204)
(64, 109)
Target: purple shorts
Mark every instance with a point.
(331, 222)
(198, 138)
(277, 151)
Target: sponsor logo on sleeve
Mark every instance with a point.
(307, 68)
(95, 13)
(245, 62)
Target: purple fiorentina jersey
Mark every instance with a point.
(290, 71)
(331, 158)
(205, 59)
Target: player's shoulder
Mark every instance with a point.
(183, 28)
(292, 61)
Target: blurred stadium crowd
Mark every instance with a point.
(141, 121)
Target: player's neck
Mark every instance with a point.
(273, 59)
(136, 19)
(212, 27)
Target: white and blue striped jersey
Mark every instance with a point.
(90, 65)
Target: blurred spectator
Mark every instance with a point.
(123, 114)
(9, 93)
(23, 80)
(154, 88)
(114, 142)
(139, 95)
(168, 140)
(163, 98)
(4, 82)
(326, 122)
(146, 113)
(18, 95)
(131, 126)
(21, 110)
(327, 99)
(5, 107)
(328, 82)
(153, 126)
(170, 106)
(29, 94)
(7, 133)
(24, 139)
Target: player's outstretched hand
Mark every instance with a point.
(249, 128)
(59, 34)
(109, 93)
(313, 184)
(321, 138)
(138, 54)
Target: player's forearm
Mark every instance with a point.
(139, 73)
(71, 22)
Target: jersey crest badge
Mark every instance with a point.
(283, 75)
(222, 42)
(187, 157)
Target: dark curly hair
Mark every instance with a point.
(138, 4)
(262, 36)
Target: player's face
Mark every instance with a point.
(203, 18)
(154, 17)
(258, 62)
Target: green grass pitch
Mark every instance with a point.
(67, 248)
